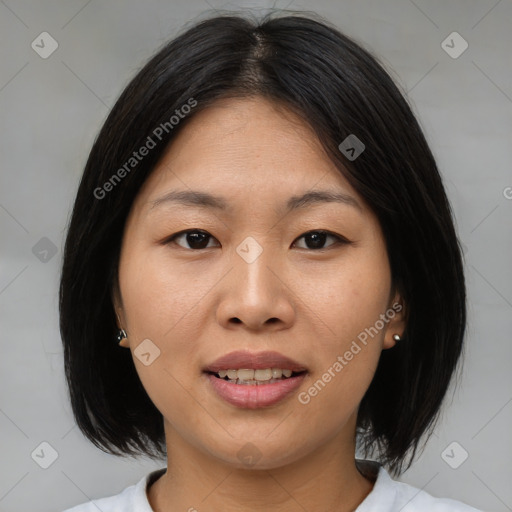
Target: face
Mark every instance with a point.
(311, 282)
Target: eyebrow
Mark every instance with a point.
(200, 199)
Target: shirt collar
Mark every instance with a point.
(380, 499)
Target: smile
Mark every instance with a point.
(251, 390)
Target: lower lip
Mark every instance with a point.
(254, 396)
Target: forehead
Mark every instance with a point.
(240, 146)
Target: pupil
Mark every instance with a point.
(318, 240)
(196, 240)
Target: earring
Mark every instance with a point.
(121, 335)
(396, 337)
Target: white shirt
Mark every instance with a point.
(387, 495)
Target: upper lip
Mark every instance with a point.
(243, 359)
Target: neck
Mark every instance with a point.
(324, 480)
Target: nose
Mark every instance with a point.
(257, 295)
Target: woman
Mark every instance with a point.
(263, 226)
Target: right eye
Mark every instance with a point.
(196, 238)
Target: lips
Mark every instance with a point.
(254, 396)
(254, 360)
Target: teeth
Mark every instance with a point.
(246, 375)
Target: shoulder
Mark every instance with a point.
(417, 500)
(389, 495)
(131, 499)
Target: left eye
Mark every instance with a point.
(198, 239)
(316, 239)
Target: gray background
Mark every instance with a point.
(51, 110)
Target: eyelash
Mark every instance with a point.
(339, 239)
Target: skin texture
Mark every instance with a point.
(196, 304)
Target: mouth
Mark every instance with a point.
(258, 377)
(253, 380)
(250, 393)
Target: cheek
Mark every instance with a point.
(350, 302)
(166, 301)
(158, 295)
(161, 305)
(350, 296)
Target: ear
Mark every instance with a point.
(119, 312)
(396, 324)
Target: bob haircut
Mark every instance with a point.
(338, 88)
